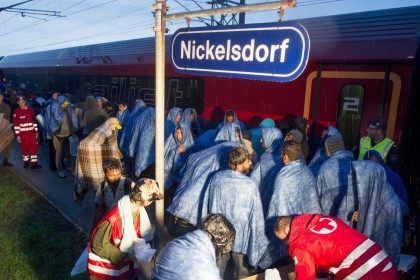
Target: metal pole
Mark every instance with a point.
(237, 9)
(160, 9)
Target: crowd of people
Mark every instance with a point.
(249, 197)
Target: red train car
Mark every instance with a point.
(360, 66)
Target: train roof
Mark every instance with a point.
(392, 34)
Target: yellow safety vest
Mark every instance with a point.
(382, 147)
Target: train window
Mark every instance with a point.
(350, 113)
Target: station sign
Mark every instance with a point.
(272, 52)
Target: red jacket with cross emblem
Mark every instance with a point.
(327, 245)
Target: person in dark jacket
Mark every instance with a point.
(93, 116)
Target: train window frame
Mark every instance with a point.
(351, 140)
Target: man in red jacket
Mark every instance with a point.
(322, 244)
(26, 131)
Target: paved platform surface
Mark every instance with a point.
(59, 191)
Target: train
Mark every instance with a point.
(361, 66)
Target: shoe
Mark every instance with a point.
(25, 164)
(61, 174)
(7, 163)
(35, 166)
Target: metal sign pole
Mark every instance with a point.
(160, 10)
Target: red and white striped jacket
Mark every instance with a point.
(24, 121)
(103, 268)
(321, 244)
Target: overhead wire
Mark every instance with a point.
(120, 29)
(103, 19)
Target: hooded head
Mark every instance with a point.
(90, 103)
(271, 139)
(333, 144)
(267, 123)
(174, 115)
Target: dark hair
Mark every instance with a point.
(230, 113)
(292, 149)
(122, 102)
(220, 231)
(377, 123)
(237, 156)
(111, 164)
(282, 222)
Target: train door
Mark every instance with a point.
(346, 97)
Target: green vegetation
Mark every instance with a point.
(36, 242)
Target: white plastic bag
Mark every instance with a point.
(143, 251)
(81, 263)
(73, 142)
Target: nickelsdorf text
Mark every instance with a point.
(228, 51)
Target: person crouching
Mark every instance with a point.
(111, 247)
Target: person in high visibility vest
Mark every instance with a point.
(322, 244)
(375, 140)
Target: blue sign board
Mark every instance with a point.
(272, 52)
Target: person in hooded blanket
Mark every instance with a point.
(392, 178)
(93, 116)
(235, 195)
(332, 180)
(320, 155)
(256, 135)
(230, 118)
(177, 149)
(195, 254)
(62, 123)
(372, 207)
(127, 131)
(114, 239)
(265, 171)
(189, 117)
(140, 122)
(294, 187)
(190, 203)
(145, 151)
(172, 120)
(229, 132)
(98, 146)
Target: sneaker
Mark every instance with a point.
(61, 174)
(35, 166)
(25, 164)
(7, 163)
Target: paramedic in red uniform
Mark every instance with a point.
(26, 131)
(322, 244)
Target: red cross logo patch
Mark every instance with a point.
(324, 226)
